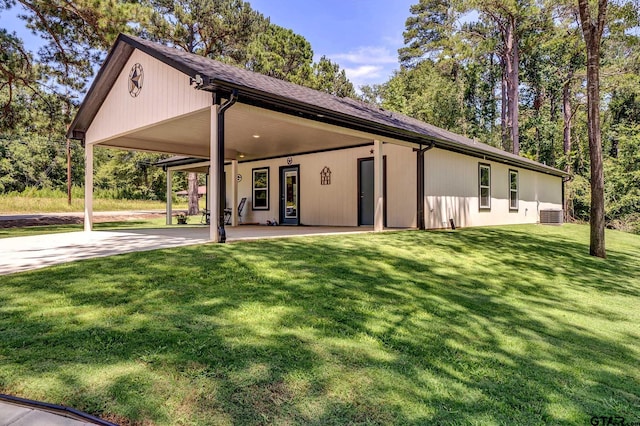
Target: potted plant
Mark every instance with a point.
(182, 218)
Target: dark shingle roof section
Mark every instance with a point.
(321, 106)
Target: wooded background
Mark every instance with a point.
(510, 73)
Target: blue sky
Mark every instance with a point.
(363, 36)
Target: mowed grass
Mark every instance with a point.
(498, 326)
(17, 204)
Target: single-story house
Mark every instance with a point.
(298, 155)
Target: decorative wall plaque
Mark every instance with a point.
(325, 176)
(289, 161)
(136, 78)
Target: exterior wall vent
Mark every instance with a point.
(551, 217)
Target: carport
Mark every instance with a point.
(150, 97)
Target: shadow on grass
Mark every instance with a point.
(496, 325)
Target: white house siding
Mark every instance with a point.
(335, 204)
(451, 192)
(165, 94)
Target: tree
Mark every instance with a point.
(429, 31)
(433, 32)
(77, 33)
(371, 94)
(129, 175)
(192, 194)
(427, 92)
(512, 18)
(217, 29)
(328, 77)
(279, 52)
(592, 29)
(16, 74)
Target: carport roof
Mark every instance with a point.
(278, 95)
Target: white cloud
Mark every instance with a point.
(367, 64)
(365, 75)
(364, 72)
(367, 55)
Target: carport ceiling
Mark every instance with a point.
(250, 133)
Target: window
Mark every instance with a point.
(484, 186)
(261, 189)
(513, 190)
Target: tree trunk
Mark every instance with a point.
(537, 104)
(597, 246)
(566, 113)
(592, 35)
(513, 83)
(503, 108)
(193, 194)
(566, 134)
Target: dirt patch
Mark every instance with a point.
(73, 220)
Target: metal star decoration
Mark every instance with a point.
(136, 77)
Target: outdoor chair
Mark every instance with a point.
(228, 212)
(206, 216)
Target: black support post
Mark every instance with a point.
(420, 186)
(222, 234)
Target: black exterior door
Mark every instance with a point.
(365, 191)
(290, 195)
(366, 201)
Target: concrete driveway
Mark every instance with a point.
(39, 251)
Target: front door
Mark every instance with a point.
(366, 201)
(365, 191)
(290, 195)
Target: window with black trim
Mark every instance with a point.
(260, 189)
(513, 190)
(484, 186)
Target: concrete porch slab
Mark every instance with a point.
(26, 253)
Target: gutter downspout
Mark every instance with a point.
(420, 184)
(220, 166)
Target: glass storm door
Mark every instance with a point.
(290, 195)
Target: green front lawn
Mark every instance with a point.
(510, 325)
